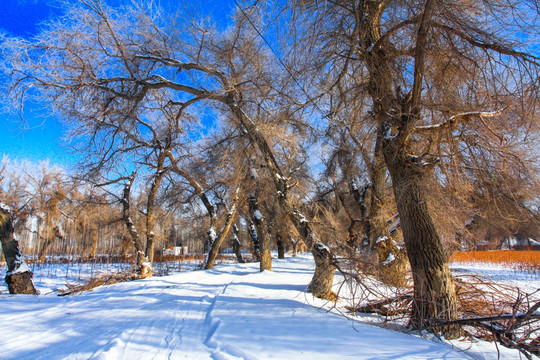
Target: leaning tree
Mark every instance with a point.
(102, 68)
(440, 76)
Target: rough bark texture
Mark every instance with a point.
(434, 292)
(393, 264)
(434, 289)
(265, 258)
(18, 275)
(142, 268)
(151, 206)
(377, 222)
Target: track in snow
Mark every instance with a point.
(231, 312)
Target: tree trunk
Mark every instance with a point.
(150, 208)
(265, 258)
(18, 275)
(44, 248)
(295, 246)
(94, 239)
(125, 246)
(255, 241)
(377, 222)
(322, 281)
(434, 290)
(214, 250)
(374, 223)
(323, 278)
(280, 247)
(142, 267)
(237, 245)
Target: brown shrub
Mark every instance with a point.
(518, 260)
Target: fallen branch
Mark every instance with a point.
(104, 280)
(381, 307)
(505, 329)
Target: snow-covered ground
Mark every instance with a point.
(231, 312)
(500, 273)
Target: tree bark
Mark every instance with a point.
(255, 241)
(18, 275)
(265, 258)
(214, 250)
(237, 245)
(151, 207)
(396, 114)
(140, 262)
(280, 247)
(377, 222)
(434, 289)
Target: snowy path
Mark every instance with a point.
(232, 312)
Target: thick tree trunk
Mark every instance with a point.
(143, 268)
(151, 208)
(323, 278)
(18, 275)
(265, 258)
(434, 289)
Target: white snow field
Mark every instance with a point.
(231, 312)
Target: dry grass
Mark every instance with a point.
(528, 260)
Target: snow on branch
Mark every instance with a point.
(462, 117)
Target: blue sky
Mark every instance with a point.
(37, 140)
(40, 139)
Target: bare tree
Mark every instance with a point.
(436, 72)
(117, 89)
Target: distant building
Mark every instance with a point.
(176, 250)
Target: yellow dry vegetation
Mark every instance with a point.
(527, 260)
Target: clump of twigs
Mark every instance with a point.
(488, 311)
(499, 313)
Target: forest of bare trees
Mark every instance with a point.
(381, 134)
